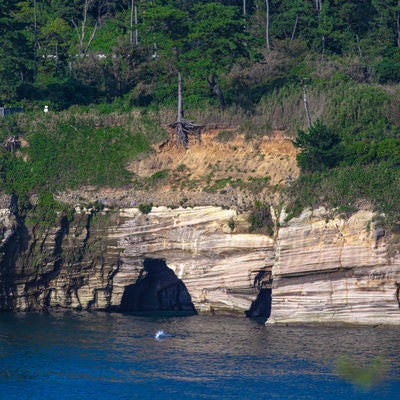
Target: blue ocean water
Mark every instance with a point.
(114, 356)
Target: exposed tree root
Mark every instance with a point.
(184, 128)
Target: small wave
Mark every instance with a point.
(160, 335)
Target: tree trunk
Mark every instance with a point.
(183, 127)
(216, 89)
(318, 5)
(306, 108)
(82, 33)
(398, 28)
(133, 22)
(244, 15)
(181, 135)
(155, 47)
(56, 72)
(136, 27)
(358, 46)
(180, 102)
(294, 28)
(35, 41)
(267, 41)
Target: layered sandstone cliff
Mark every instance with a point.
(98, 260)
(335, 270)
(218, 267)
(200, 259)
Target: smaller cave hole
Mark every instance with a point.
(261, 306)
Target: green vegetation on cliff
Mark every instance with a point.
(108, 73)
(354, 159)
(67, 151)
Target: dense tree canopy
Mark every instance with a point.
(47, 42)
(15, 63)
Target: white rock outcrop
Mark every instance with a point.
(218, 268)
(324, 268)
(335, 270)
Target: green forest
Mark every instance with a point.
(92, 51)
(326, 72)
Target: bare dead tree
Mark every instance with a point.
(318, 6)
(35, 41)
(267, 39)
(358, 46)
(398, 26)
(244, 10)
(134, 22)
(182, 126)
(294, 28)
(131, 21)
(306, 106)
(216, 89)
(83, 48)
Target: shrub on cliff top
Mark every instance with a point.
(260, 218)
(46, 210)
(145, 208)
(319, 148)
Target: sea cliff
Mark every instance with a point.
(321, 267)
(335, 269)
(98, 261)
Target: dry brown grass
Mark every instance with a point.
(273, 156)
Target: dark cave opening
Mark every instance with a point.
(157, 289)
(261, 306)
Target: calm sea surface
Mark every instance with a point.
(112, 356)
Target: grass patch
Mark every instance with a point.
(225, 136)
(68, 150)
(260, 218)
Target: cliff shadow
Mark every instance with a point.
(11, 248)
(157, 289)
(261, 306)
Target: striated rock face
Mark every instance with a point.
(334, 270)
(65, 266)
(324, 269)
(97, 261)
(218, 268)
